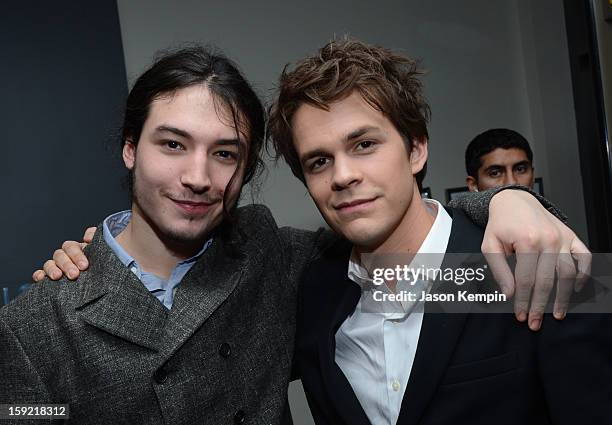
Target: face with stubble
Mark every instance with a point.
(182, 165)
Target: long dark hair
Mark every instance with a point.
(188, 66)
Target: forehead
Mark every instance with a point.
(315, 128)
(193, 109)
(503, 157)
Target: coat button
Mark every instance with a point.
(160, 375)
(225, 350)
(239, 417)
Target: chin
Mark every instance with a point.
(187, 234)
(363, 235)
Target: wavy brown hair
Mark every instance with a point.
(388, 81)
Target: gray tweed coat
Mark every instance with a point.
(109, 348)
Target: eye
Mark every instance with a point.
(365, 144)
(226, 155)
(495, 173)
(522, 168)
(318, 163)
(173, 145)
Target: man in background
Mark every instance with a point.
(498, 157)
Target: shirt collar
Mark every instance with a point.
(116, 223)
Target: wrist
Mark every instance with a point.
(508, 195)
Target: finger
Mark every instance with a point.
(89, 234)
(65, 264)
(544, 284)
(495, 254)
(38, 275)
(51, 270)
(74, 250)
(584, 258)
(524, 276)
(566, 275)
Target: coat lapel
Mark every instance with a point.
(115, 301)
(203, 290)
(439, 333)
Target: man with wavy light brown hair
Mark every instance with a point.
(351, 122)
(387, 81)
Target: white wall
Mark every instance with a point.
(490, 63)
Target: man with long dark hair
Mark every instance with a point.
(179, 317)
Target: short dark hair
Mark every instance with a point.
(388, 81)
(193, 65)
(490, 140)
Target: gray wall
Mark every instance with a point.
(604, 44)
(551, 106)
(63, 82)
(492, 64)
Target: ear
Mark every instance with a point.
(129, 154)
(418, 154)
(472, 184)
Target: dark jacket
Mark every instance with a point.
(469, 368)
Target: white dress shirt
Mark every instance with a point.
(376, 349)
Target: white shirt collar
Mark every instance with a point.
(435, 242)
(429, 255)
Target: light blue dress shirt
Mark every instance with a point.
(163, 289)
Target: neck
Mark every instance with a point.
(153, 253)
(406, 240)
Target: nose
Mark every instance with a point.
(196, 174)
(510, 179)
(345, 173)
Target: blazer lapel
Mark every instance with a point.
(439, 333)
(344, 296)
(115, 301)
(203, 290)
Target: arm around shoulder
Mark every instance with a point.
(476, 204)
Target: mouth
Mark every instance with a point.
(193, 207)
(355, 205)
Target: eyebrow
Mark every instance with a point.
(524, 162)
(186, 135)
(493, 166)
(349, 137)
(174, 130)
(360, 132)
(228, 142)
